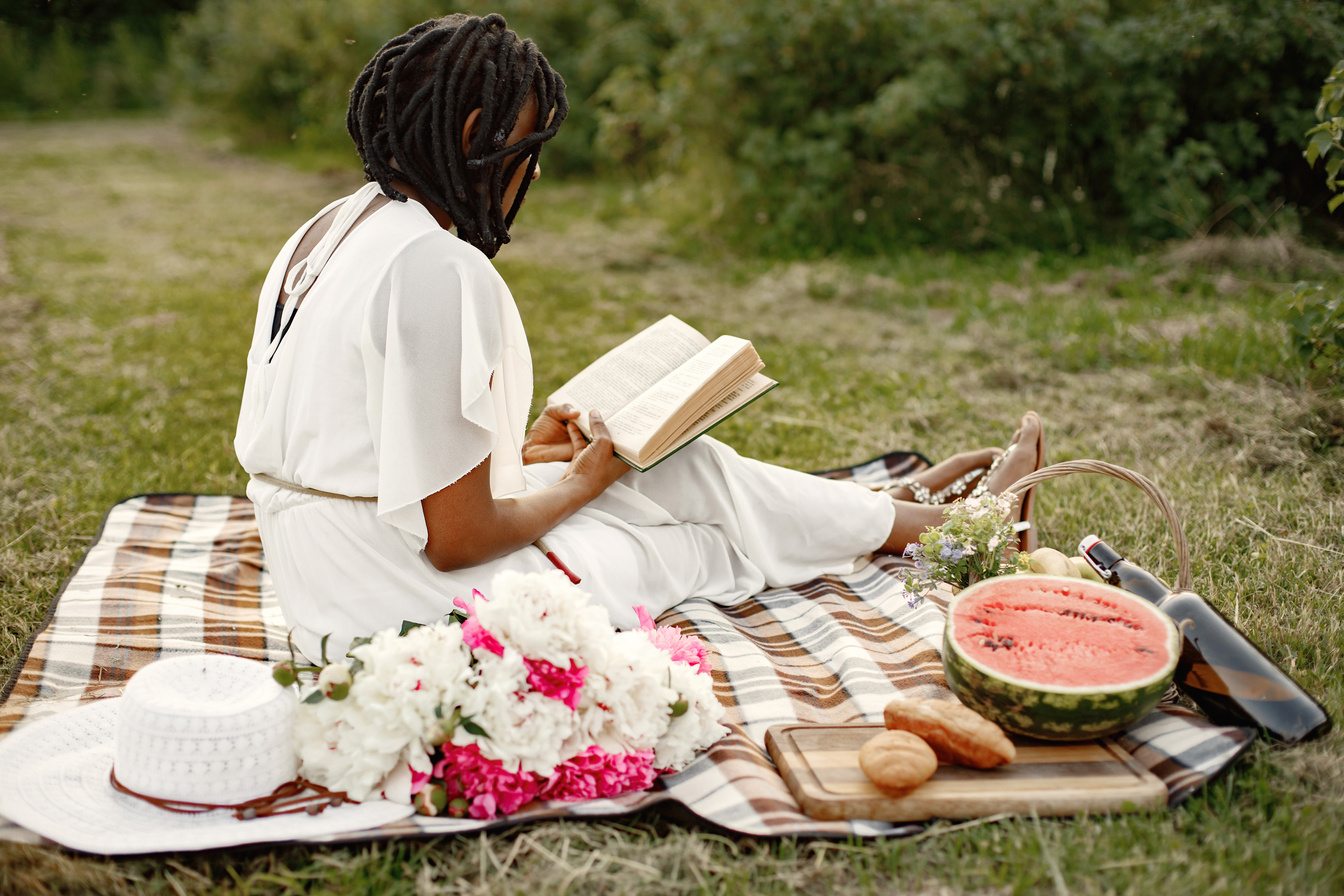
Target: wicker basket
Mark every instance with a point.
(1145, 485)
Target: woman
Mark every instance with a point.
(384, 425)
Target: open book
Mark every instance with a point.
(663, 387)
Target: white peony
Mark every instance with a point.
(403, 689)
(389, 716)
(523, 728)
(544, 617)
(626, 700)
(698, 727)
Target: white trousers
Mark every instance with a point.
(704, 523)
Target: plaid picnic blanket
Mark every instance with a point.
(175, 574)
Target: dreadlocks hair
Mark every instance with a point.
(410, 104)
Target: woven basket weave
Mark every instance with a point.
(1143, 483)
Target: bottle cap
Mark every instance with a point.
(1099, 555)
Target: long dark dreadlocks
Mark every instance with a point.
(412, 100)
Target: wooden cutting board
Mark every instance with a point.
(820, 763)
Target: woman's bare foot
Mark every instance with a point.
(1025, 453)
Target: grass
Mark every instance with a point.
(130, 255)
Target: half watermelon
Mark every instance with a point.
(1058, 658)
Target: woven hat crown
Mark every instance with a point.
(205, 729)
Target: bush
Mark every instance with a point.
(1315, 320)
(1315, 316)
(274, 72)
(988, 122)
(823, 125)
(78, 56)
(1326, 140)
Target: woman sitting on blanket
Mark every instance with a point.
(384, 425)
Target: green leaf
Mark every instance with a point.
(314, 697)
(1334, 203)
(407, 625)
(473, 728)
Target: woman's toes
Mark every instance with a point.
(1022, 456)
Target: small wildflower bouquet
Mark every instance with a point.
(528, 695)
(970, 545)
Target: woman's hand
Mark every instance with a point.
(594, 462)
(467, 525)
(549, 439)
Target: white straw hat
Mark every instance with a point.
(208, 729)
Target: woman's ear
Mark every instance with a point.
(469, 128)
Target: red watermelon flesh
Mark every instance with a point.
(1075, 637)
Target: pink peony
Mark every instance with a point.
(473, 633)
(485, 783)
(492, 790)
(595, 773)
(418, 781)
(565, 685)
(682, 648)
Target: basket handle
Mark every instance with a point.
(1145, 485)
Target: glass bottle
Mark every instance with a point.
(1220, 669)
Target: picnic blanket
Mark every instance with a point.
(176, 574)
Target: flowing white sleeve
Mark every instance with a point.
(433, 339)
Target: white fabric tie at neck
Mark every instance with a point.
(304, 274)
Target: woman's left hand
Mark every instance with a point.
(549, 439)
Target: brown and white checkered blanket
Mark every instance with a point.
(173, 574)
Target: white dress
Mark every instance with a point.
(403, 368)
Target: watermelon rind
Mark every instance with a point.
(1056, 712)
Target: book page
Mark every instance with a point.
(753, 387)
(756, 386)
(643, 417)
(618, 377)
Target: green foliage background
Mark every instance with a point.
(82, 56)
(805, 127)
(974, 123)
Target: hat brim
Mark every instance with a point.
(54, 781)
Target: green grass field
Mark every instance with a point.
(130, 254)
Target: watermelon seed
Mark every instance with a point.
(1093, 617)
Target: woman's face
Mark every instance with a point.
(526, 124)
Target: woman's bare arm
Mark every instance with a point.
(468, 525)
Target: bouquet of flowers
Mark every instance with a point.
(529, 694)
(970, 545)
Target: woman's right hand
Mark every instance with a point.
(550, 438)
(594, 462)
